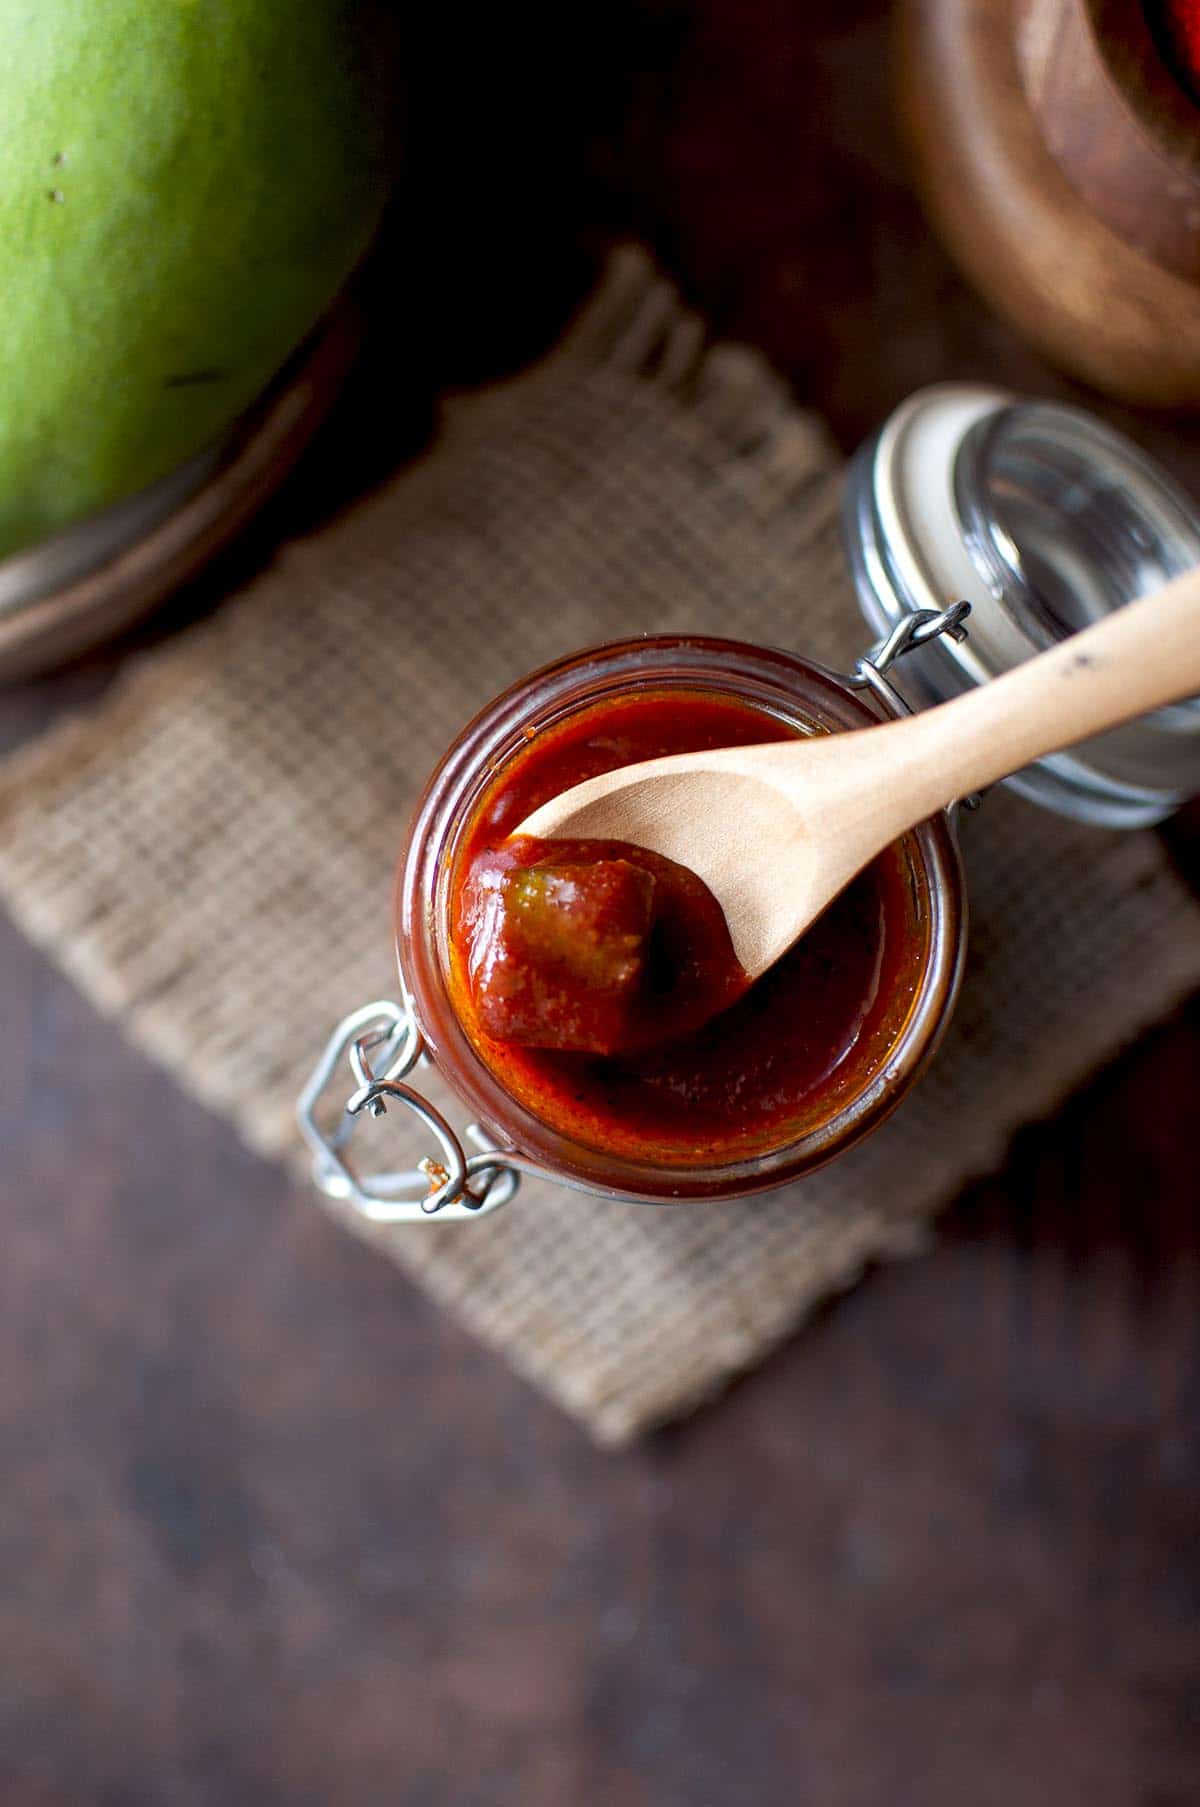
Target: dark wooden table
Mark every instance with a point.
(275, 1531)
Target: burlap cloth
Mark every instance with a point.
(210, 856)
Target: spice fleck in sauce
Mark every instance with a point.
(598, 983)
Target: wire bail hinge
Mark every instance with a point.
(383, 1045)
(912, 630)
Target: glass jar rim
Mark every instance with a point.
(918, 531)
(563, 687)
(1111, 465)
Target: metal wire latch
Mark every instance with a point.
(911, 631)
(382, 1045)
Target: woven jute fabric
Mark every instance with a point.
(210, 855)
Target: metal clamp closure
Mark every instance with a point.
(911, 631)
(382, 1044)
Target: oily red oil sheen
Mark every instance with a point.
(776, 1063)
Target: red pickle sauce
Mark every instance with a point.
(697, 1065)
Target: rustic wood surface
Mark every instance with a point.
(1117, 121)
(276, 1531)
(1025, 223)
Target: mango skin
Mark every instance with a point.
(184, 187)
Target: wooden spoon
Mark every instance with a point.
(777, 831)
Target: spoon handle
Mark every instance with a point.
(1139, 658)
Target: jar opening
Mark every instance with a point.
(700, 1154)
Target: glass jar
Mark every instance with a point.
(1030, 518)
(1044, 520)
(901, 1033)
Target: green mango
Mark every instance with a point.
(184, 187)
